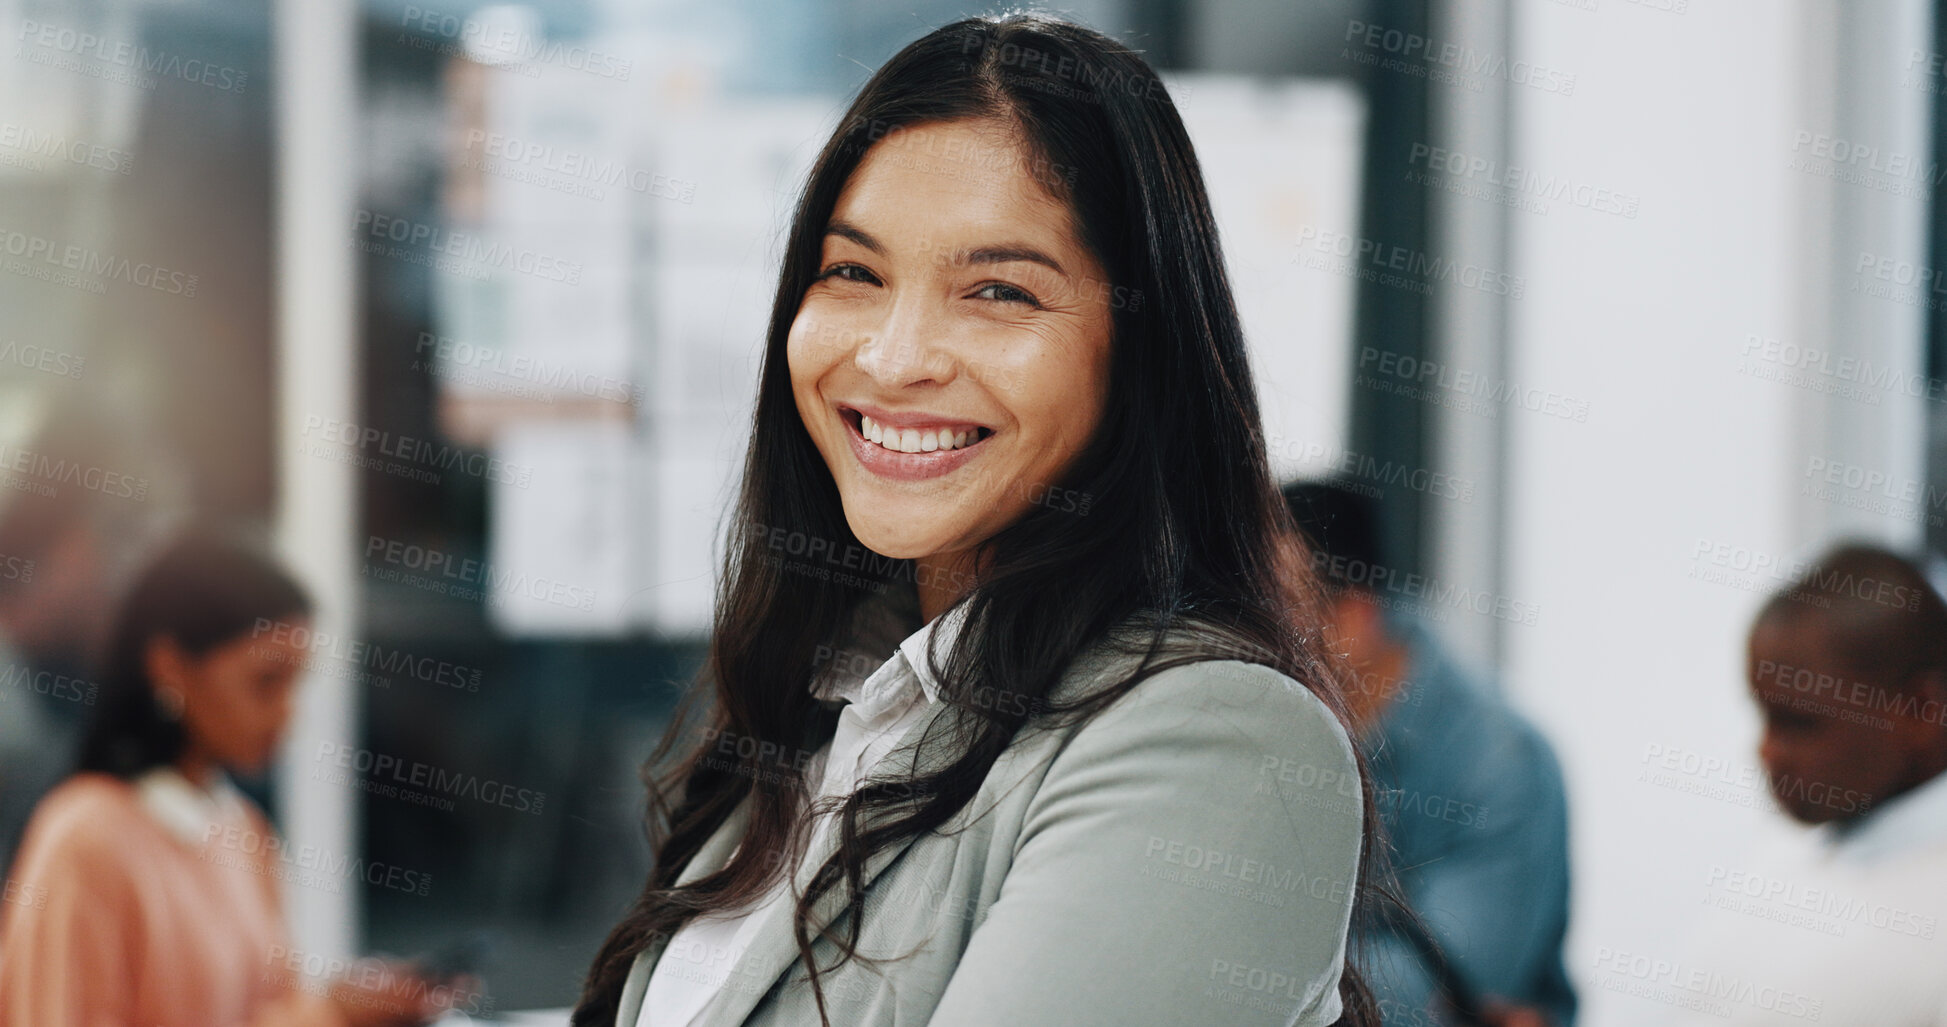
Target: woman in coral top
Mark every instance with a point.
(146, 889)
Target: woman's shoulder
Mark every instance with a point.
(85, 800)
(1186, 670)
(1241, 748)
(1240, 688)
(1255, 707)
(83, 821)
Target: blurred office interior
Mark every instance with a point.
(1617, 306)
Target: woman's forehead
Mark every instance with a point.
(960, 181)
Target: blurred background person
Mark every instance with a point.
(146, 890)
(1841, 924)
(62, 551)
(1469, 792)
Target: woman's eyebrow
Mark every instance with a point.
(1008, 254)
(847, 230)
(1005, 253)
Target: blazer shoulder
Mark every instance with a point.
(1276, 704)
(1250, 732)
(1207, 820)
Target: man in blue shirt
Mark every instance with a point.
(1470, 797)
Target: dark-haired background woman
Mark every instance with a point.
(145, 893)
(1014, 712)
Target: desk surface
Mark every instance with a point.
(521, 1018)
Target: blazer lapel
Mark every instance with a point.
(715, 852)
(772, 948)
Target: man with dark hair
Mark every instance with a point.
(1470, 796)
(1848, 667)
(1862, 633)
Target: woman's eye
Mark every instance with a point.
(1006, 293)
(850, 273)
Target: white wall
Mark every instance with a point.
(317, 507)
(1636, 654)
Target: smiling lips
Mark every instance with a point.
(909, 447)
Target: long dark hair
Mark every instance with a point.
(202, 590)
(1181, 525)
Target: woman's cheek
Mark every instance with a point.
(814, 342)
(1061, 411)
(1008, 368)
(798, 349)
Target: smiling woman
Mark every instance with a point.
(924, 274)
(1014, 627)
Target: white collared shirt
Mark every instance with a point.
(878, 711)
(192, 814)
(1840, 924)
(1915, 820)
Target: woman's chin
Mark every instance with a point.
(899, 541)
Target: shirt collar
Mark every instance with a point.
(948, 626)
(1912, 819)
(878, 620)
(184, 810)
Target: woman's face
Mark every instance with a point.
(237, 697)
(952, 356)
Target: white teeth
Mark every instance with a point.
(913, 440)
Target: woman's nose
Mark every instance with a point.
(894, 355)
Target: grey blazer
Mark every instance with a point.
(1187, 856)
